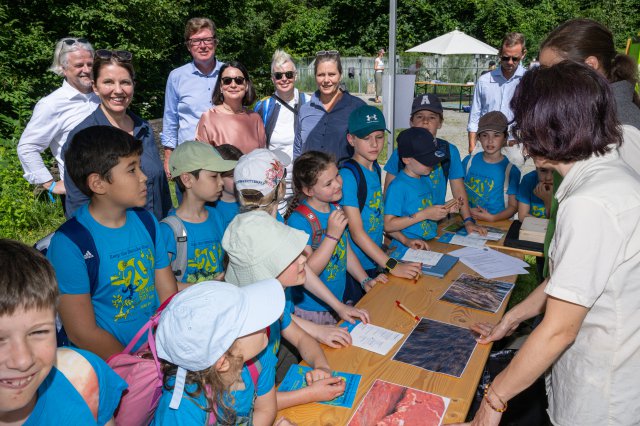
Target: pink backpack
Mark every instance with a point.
(142, 373)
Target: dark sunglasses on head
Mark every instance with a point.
(120, 55)
(327, 53)
(227, 80)
(288, 74)
(72, 41)
(513, 58)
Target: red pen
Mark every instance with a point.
(407, 310)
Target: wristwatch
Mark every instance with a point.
(391, 263)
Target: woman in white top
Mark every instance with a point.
(279, 114)
(378, 66)
(565, 116)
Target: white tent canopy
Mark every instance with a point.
(455, 43)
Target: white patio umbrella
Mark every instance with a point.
(455, 43)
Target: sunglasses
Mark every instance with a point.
(227, 80)
(512, 58)
(327, 53)
(208, 41)
(72, 41)
(120, 55)
(288, 74)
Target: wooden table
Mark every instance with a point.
(464, 89)
(422, 298)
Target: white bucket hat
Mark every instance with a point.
(201, 323)
(260, 247)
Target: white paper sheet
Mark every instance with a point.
(425, 257)
(490, 263)
(491, 236)
(467, 241)
(373, 338)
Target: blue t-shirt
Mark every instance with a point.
(334, 275)
(189, 412)
(227, 210)
(125, 296)
(59, 403)
(436, 178)
(275, 329)
(485, 183)
(407, 195)
(204, 246)
(372, 213)
(526, 195)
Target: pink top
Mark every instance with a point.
(244, 131)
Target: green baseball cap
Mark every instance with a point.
(365, 120)
(190, 156)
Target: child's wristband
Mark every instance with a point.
(365, 281)
(50, 192)
(469, 219)
(331, 237)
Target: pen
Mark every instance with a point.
(415, 280)
(407, 310)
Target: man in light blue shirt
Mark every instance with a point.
(495, 89)
(190, 87)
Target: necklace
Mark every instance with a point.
(231, 110)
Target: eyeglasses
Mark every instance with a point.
(120, 55)
(288, 74)
(227, 80)
(72, 41)
(208, 41)
(515, 59)
(327, 53)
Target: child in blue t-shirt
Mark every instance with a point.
(260, 247)
(42, 384)
(196, 169)
(535, 193)
(227, 205)
(427, 113)
(366, 215)
(490, 179)
(102, 312)
(319, 185)
(211, 339)
(410, 212)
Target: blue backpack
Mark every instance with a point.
(361, 182)
(81, 237)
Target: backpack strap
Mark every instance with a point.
(466, 172)
(147, 220)
(507, 173)
(82, 376)
(361, 183)
(446, 164)
(255, 367)
(82, 238)
(179, 262)
(316, 228)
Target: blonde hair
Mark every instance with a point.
(279, 58)
(252, 199)
(213, 384)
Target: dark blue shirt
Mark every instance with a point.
(319, 130)
(158, 196)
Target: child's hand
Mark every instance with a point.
(416, 244)
(544, 191)
(435, 212)
(474, 227)
(454, 205)
(351, 314)
(333, 336)
(408, 270)
(382, 278)
(317, 374)
(337, 223)
(283, 421)
(479, 213)
(327, 389)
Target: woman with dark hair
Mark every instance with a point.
(114, 82)
(323, 121)
(229, 121)
(565, 116)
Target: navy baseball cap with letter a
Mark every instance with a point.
(428, 101)
(419, 144)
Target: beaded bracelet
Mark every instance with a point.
(331, 237)
(486, 397)
(365, 281)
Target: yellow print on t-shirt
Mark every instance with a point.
(132, 281)
(426, 226)
(478, 190)
(338, 259)
(377, 208)
(206, 264)
(436, 174)
(538, 211)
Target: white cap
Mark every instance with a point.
(201, 323)
(261, 169)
